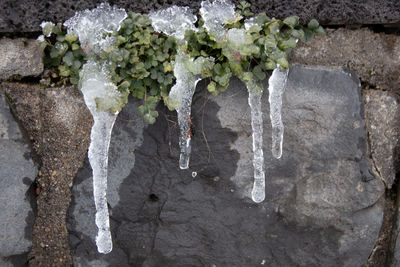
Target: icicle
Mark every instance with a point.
(174, 21)
(277, 85)
(94, 28)
(255, 94)
(182, 94)
(94, 84)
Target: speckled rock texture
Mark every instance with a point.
(375, 57)
(17, 173)
(19, 58)
(58, 123)
(383, 125)
(323, 206)
(24, 16)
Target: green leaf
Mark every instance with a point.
(211, 87)
(308, 34)
(292, 21)
(289, 43)
(149, 119)
(313, 24)
(70, 38)
(262, 18)
(75, 47)
(258, 73)
(283, 62)
(319, 30)
(69, 58)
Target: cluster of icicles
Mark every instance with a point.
(90, 25)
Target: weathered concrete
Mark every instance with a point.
(17, 173)
(383, 125)
(58, 123)
(20, 57)
(375, 57)
(323, 206)
(25, 16)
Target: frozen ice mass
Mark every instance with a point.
(94, 29)
(277, 85)
(258, 192)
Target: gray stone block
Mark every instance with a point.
(20, 57)
(17, 172)
(323, 205)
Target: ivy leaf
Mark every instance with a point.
(258, 73)
(70, 38)
(283, 62)
(319, 30)
(292, 21)
(313, 24)
(211, 87)
(69, 58)
(289, 43)
(262, 18)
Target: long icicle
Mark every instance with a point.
(90, 26)
(276, 88)
(95, 83)
(98, 157)
(258, 192)
(174, 21)
(183, 92)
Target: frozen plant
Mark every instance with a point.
(216, 14)
(175, 21)
(94, 28)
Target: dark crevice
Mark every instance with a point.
(15, 35)
(25, 79)
(382, 254)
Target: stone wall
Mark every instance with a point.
(327, 197)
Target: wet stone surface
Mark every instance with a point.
(323, 206)
(17, 172)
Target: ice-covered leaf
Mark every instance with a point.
(173, 21)
(94, 27)
(216, 14)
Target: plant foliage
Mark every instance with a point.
(142, 59)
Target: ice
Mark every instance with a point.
(277, 85)
(94, 83)
(255, 94)
(95, 27)
(181, 95)
(216, 14)
(249, 22)
(174, 21)
(47, 27)
(238, 37)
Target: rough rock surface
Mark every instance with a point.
(20, 57)
(383, 125)
(323, 207)
(17, 173)
(22, 16)
(375, 57)
(58, 123)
